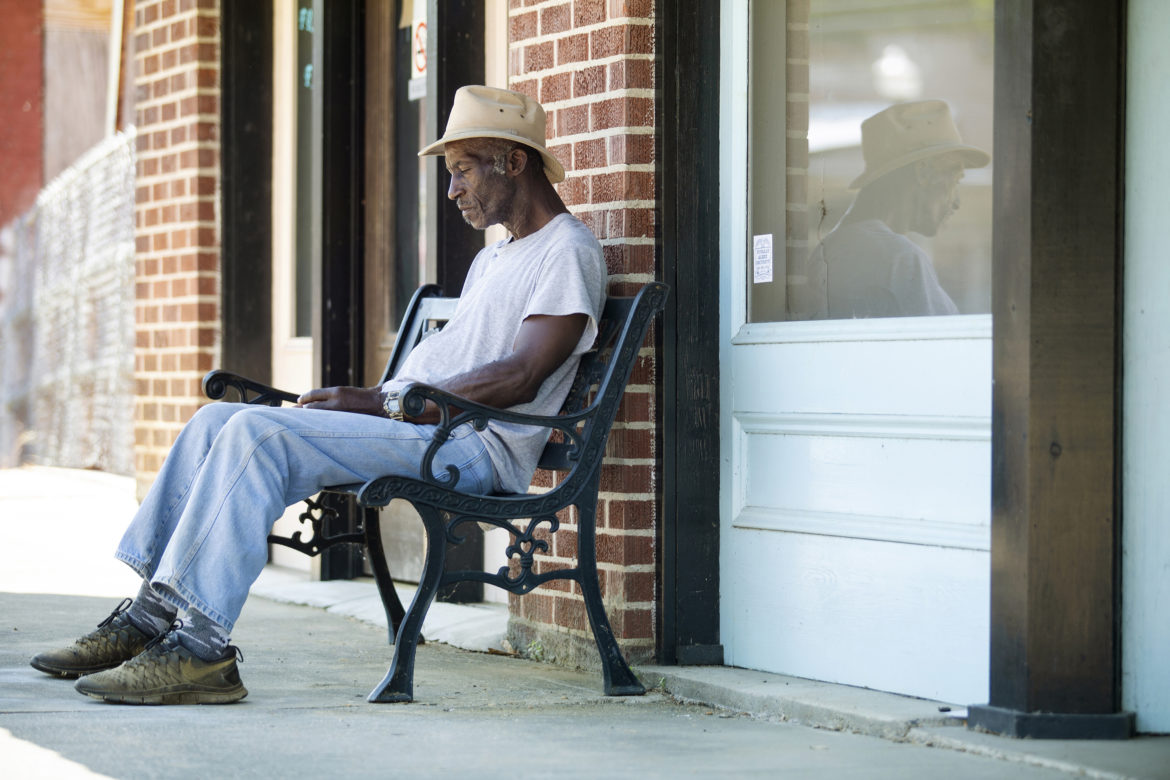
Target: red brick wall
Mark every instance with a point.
(177, 225)
(22, 108)
(591, 64)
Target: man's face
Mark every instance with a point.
(483, 195)
(938, 196)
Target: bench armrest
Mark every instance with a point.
(217, 383)
(455, 411)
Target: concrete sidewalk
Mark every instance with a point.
(314, 650)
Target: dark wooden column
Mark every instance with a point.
(342, 176)
(1059, 105)
(455, 52)
(246, 157)
(688, 130)
(340, 339)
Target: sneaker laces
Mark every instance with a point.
(98, 637)
(118, 610)
(172, 628)
(169, 634)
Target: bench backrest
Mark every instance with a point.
(428, 310)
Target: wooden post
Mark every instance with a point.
(455, 53)
(340, 340)
(246, 160)
(455, 58)
(1059, 105)
(689, 339)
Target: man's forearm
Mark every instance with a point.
(494, 384)
(360, 400)
(543, 344)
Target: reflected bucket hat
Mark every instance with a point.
(488, 112)
(905, 133)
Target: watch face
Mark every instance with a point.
(391, 404)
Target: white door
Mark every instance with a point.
(856, 480)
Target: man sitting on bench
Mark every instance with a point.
(528, 310)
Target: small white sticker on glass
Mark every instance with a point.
(763, 259)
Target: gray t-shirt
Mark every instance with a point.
(874, 272)
(558, 270)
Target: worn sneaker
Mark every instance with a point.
(168, 673)
(115, 640)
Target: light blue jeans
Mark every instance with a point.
(200, 536)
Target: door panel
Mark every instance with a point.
(856, 517)
(894, 617)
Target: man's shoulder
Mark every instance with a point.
(564, 237)
(565, 227)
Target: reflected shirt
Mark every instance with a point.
(871, 271)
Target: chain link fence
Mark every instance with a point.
(67, 318)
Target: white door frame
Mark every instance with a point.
(1146, 416)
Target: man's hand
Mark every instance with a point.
(363, 400)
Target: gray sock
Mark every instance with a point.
(149, 613)
(203, 636)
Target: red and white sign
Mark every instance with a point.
(418, 56)
(417, 84)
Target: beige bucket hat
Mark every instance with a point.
(488, 112)
(905, 133)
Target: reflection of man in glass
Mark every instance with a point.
(914, 160)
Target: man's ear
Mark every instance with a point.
(517, 161)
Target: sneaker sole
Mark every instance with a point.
(69, 674)
(187, 696)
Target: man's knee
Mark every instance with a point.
(215, 414)
(212, 420)
(206, 423)
(248, 423)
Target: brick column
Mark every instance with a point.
(177, 223)
(22, 94)
(591, 64)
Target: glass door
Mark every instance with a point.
(856, 355)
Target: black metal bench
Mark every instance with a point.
(576, 447)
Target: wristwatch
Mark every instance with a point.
(391, 406)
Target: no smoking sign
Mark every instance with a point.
(420, 49)
(417, 86)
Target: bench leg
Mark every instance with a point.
(618, 678)
(398, 684)
(390, 601)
